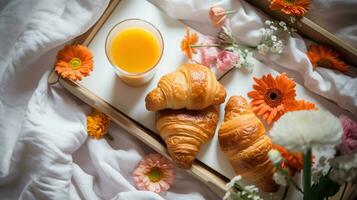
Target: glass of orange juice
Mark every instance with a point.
(134, 48)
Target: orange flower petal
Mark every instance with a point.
(323, 56)
(63, 66)
(272, 96)
(188, 40)
(295, 8)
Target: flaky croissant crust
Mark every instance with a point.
(242, 138)
(184, 131)
(192, 86)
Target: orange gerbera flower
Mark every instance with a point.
(323, 56)
(291, 7)
(291, 160)
(272, 97)
(97, 124)
(303, 105)
(74, 62)
(186, 43)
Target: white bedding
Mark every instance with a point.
(44, 149)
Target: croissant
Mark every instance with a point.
(184, 131)
(242, 138)
(193, 87)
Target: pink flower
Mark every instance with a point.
(349, 137)
(154, 173)
(226, 60)
(209, 54)
(217, 16)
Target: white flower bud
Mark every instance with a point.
(282, 24)
(275, 156)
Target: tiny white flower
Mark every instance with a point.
(300, 130)
(322, 159)
(274, 38)
(263, 49)
(279, 179)
(282, 23)
(236, 178)
(273, 27)
(275, 156)
(256, 198)
(268, 22)
(232, 182)
(227, 196)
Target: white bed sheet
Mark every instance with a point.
(44, 149)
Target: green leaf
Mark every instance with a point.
(325, 187)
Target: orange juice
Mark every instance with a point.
(135, 50)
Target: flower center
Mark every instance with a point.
(75, 63)
(323, 62)
(290, 1)
(273, 97)
(154, 175)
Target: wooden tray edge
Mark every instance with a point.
(215, 181)
(212, 179)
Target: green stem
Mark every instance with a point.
(294, 184)
(307, 173)
(204, 45)
(243, 189)
(229, 12)
(285, 192)
(343, 191)
(289, 178)
(225, 73)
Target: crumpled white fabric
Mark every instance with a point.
(246, 24)
(44, 149)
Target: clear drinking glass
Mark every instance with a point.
(133, 79)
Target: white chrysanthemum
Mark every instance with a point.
(232, 182)
(279, 179)
(274, 156)
(299, 130)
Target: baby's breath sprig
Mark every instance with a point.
(236, 191)
(273, 37)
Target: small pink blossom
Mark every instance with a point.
(349, 137)
(154, 173)
(209, 54)
(226, 60)
(217, 15)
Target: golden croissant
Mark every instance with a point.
(242, 138)
(193, 87)
(184, 131)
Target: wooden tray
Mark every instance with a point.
(207, 174)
